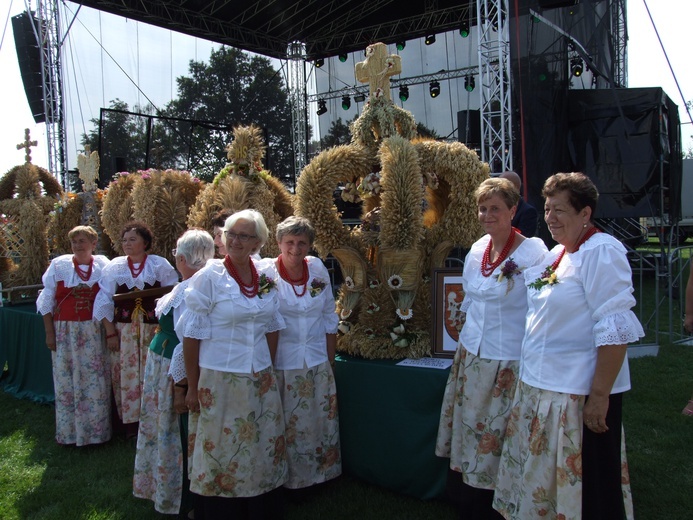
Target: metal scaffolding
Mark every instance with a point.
(494, 72)
(48, 33)
(297, 98)
(619, 43)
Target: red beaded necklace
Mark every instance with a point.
(249, 291)
(303, 280)
(82, 275)
(585, 238)
(486, 266)
(136, 272)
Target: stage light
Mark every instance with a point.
(319, 62)
(430, 39)
(343, 57)
(322, 107)
(346, 102)
(576, 67)
(434, 89)
(403, 93)
(360, 98)
(469, 83)
(401, 45)
(464, 30)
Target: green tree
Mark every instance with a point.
(337, 134)
(233, 88)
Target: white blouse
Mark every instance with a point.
(588, 307)
(231, 327)
(175, 300)
(117, 272)
(302, 344)
(496, 309)
(61, 269)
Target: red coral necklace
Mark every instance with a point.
(249, 291)
(486, 266)
(593, 230)
(136, 272)
(82, 275)
(303, 280)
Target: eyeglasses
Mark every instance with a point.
(242, 237)
(174, 251)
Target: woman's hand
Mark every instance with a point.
(50, 341)
(594, 413)
(179, 391)
(113, 342)
(191, 400)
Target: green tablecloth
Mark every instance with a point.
(388, 419)
(23, 348)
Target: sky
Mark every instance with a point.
(168, 55)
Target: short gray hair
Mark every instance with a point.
(196, 246)
(294, 225)
(253, 216)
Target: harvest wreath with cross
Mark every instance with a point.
(418, 205)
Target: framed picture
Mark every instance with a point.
(446, 290)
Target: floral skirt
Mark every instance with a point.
(159, 459)
(540, 474)
(236, 445)
(309, 397)
(476, 407)
(82, 384)
(127, 367)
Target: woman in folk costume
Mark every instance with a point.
(305, 354)
(231, 324)
(130, 320)
(482, 381)
(159, 459)
(80, 360)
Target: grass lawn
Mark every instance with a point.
(41, 480)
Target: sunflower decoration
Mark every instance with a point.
(27, 195)
(244, 184)
(417, 204)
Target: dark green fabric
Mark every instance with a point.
(388, 424)
(23, 348)
(165, 339)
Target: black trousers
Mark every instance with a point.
(602, 495)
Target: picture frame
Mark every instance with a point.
(447, 319)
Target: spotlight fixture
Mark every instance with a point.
(469, 83)
(430, 39)
(401, 45)
(322, 107)
(576, 67)
(434, 89)
(464, 30)
(403, 93)
(342, 57)
(346, 102)
(319, 62)
(360, 98)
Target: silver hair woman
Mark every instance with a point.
(158, 463)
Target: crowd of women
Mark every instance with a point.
(228, 374)
(225, 378)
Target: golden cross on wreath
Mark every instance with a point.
(377, 69)
(28, 143)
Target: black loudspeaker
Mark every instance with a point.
(469, 127)
(29, 59)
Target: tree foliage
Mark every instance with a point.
(192, 131)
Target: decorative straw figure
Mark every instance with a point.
(244, 184)
(384, 302)
(27, 195)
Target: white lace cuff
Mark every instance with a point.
(177, 367)
(618, 329)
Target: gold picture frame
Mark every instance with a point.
(447, 320)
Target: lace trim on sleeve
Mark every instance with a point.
(171, 300)
(177, 367)
(618, 329)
